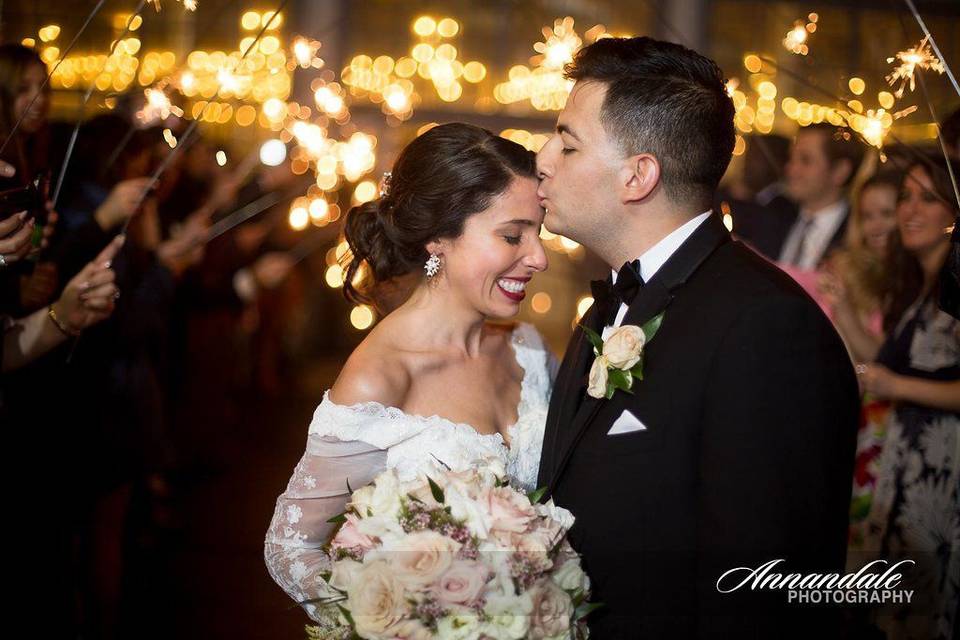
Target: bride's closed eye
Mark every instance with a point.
(514, 240)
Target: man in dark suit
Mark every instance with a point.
(736, 448)
(762, 212)
(823, 162)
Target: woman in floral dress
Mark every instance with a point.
(916, 510)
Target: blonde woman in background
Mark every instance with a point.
(854, 283)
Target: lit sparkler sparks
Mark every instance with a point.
(558, 46)
(796, 39)
(305, 54)
(157, 108)
(919, 57)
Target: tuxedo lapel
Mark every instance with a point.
(570, 387)
(654, 297)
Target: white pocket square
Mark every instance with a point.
(626, 423)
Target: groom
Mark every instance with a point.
(737, 446)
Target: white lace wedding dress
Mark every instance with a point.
(354, 443)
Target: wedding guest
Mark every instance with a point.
(854, 284)
(916, 508)
(87, 299)
(762, 211)
(25, 99)
(852, 289)
(950, 276)
(823, 162)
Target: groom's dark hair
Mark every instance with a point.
(666, 100)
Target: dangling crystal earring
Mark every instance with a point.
(432, 267)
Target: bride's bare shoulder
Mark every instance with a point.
(374, 372)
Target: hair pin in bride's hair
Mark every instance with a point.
(385, 183)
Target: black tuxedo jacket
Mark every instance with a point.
(750, 405)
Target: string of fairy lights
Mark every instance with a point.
(224, 88)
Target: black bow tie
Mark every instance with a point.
(608, 295)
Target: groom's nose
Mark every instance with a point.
(545, 159)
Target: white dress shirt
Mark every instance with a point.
(655, 257)
(819, 229)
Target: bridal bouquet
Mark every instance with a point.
(452, 555)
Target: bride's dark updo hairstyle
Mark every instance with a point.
(440, 179)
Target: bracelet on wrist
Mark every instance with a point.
(60, 324)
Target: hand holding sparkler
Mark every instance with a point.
(271, 269)
(91, 295)
(122, 203)
(185, 247)
(15, 234)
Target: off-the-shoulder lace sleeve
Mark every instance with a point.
(316, 492)
(540, 369)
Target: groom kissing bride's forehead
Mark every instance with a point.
(727, 439)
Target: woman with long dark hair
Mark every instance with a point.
(439, 378)
(23, 98)
(915, 512)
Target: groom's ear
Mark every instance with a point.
(640, 175)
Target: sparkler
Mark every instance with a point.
(919, 57)
(933, 43)
(193, 125)
(83, 103)
(305, 54)
(926, 97)
(796, 39)
(849, 119)
(46, 80)
(157, 108)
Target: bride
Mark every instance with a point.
(435, 380)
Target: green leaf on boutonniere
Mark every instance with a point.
(594, 338)
(651, 327)
(620, 379)
(435, 490)
(339, 519)
(637, 370)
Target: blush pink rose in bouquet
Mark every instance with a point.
(455, 556)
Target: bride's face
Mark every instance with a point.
(490, 264)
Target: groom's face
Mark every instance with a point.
(579, 166)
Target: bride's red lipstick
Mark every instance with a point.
(516, 296)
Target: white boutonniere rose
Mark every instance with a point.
(618, 359)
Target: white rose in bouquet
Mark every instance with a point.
(362, 500)
(385, 501)
(459, 556)
(468, 510)
(459, 626)
(552, 610)
(570, 576)
(344, 574)
(563, 518)
(376, 600)
(508, 617)
(419, 559)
